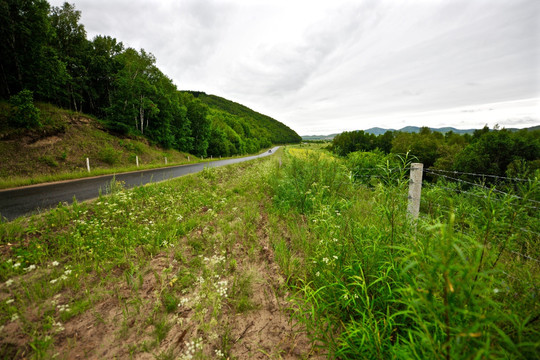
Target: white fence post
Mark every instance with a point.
(188, 158)
(165, 160)
(137, 160)
(88, 164)
(415, 190)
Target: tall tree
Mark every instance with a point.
(73, 47)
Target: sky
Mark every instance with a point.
(324, 67)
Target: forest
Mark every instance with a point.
(496, 152)
(47, 57)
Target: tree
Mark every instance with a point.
(25, 34)
(73, 48)
(200, 126)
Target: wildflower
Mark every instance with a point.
(30, 268)
(63, 308)
(335, 257)
(218, 353)
(325, 260)
(16, 265)
(59, 326)
(183, 301)
(53, 281)
(67, 272)
(9, 282)
(14, 317)
(317, 274)
(55, 263)
(9, 301)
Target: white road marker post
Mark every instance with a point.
(415, 190)
(137, 160)
(165, 160)
(88, 164)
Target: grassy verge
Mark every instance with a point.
(462, 282)
(180, 269)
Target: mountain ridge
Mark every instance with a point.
(410, 129)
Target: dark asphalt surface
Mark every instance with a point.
(31, 199)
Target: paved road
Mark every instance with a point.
(30, 199)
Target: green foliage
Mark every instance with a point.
(374, 285)
(491, 152)
(351, 141)
(24, 113)
(109, 155)
(49, 54)
(494, 152)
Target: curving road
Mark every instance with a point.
(30, 199)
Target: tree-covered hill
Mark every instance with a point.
(277, 132)
(47, 57)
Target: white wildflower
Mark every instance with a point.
(9, 301)
(59, 326)
(9, 282)
(30, 268)
(55, 263)
(14, 317)
(16, 265)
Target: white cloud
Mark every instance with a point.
(331, 66)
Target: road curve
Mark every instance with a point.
(30, 199)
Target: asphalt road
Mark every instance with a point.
(31, 199)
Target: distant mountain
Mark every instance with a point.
(416, 129)
(319, 137)
(410, 129)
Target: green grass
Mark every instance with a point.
(176, 262)
(162, 255)
(370, 283)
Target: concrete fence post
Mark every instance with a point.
(88, 164)
(165, 160)
(188, 158)
(137, 160)
(415, 190)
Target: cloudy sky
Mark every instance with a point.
(323, 67)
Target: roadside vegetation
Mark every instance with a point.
(180, 269)
(299, 255)
(461, 282)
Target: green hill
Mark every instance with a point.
(59, 148)
(260, 124)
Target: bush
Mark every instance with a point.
(23, 113)
(109, 155)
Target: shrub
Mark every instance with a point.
(24, 114)
(109, 155)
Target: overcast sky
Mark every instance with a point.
(323, 67)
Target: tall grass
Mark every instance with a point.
(370, 283)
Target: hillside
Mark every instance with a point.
(52, 61)
(59, 148)
(260, 124)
